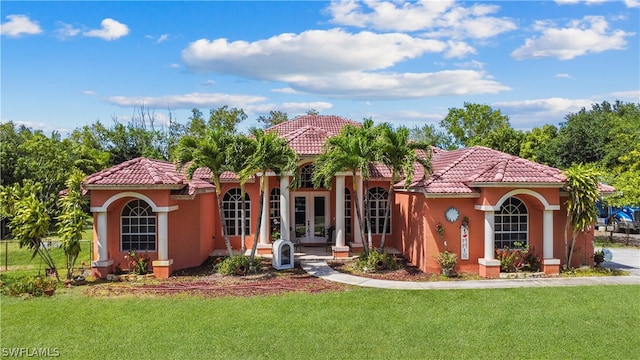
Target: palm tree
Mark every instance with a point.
(208, 151)
(72, 219)
(582, 186)
(271, 153)
(237, 154)
(400, 155)
(352, 150)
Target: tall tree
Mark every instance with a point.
(352, 150)
(505, 139)
(400, 155)
(72, 220)
(470, 125)
(428, 134)
(208, 151)
(238, 152)
(271, 153)
(539, 145)
(582, 186)
(227, 118)
(274, 118)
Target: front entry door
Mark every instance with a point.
(311, 217)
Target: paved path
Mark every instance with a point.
(629, 260)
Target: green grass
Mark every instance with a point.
(534, 323)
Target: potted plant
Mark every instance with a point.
(447, 261)
(598, 257)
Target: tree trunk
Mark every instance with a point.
(225, 233)
(254, 246)
(386, 216)
(359, 214)
(573, 244)
(243, 246)
(367, 215)
(566, 242)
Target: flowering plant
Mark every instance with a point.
(140, 263)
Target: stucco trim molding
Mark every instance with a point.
(511, 193)
(118, 196)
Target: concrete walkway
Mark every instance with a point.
(629, 260)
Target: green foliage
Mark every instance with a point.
(430, 135)
(447, 261)
(239, 264)
(519, 259)
(540, 144)
(504, 139)
(140, 262)
(72, 220)
(375, 260)
(469, 126)
(274, 118)
(598, 257)
(32, 285)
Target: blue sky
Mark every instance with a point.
(67, 64)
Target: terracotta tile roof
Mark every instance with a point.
(459, 171)
(306, 134)
(143, 171)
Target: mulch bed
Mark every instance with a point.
(406, 272)
(201, 281)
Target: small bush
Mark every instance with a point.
(522, 259)
(376, 261)
(32, 285)
(237, 265)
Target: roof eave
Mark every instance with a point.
(516, 184)
(134, 187)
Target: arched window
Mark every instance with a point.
(511, 224)
(377, 198)
(306, 176)
(232, 207)
(347, 211)
(274, 209)
(137, 227)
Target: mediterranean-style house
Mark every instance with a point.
(483, 199)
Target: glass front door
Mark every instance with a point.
(311, 217)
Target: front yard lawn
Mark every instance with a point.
(356, 323)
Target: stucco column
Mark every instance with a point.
(285, 223)
(103, 254)
(357, 235)
(163, 236)
(264, 225)
(547, 234)
(340, 210)
(101, 267)
(489, 226)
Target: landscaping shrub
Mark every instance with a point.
(519, 259)
(237, 265)
(376, 261)
(32, 285)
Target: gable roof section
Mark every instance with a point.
(145, 172)
(461, 171)
(306, 134)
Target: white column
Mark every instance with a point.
(357, 236)
(264, 225)
(489, 244)
(103, 254)
(285, 223)
(163, 236)
(340, 210)
(547, 234)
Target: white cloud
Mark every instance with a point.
(186, 101)
(459, 49)
(110, 30)
(563, 76)
(338, 64)
(208, 83)
(574, 2)
(632, 3)
(174, 66)
(438, 18)
(286, 90)
(527, 114)
(162, 38)
(65, 31)
(19, 25)
(89, 92)
(317, 51)
(589, 35)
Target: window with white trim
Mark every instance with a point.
(377, 198)
(137, 227)
(306, 176)
(232, 207)
(347, 211)
(511, 224)
(274, 209)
